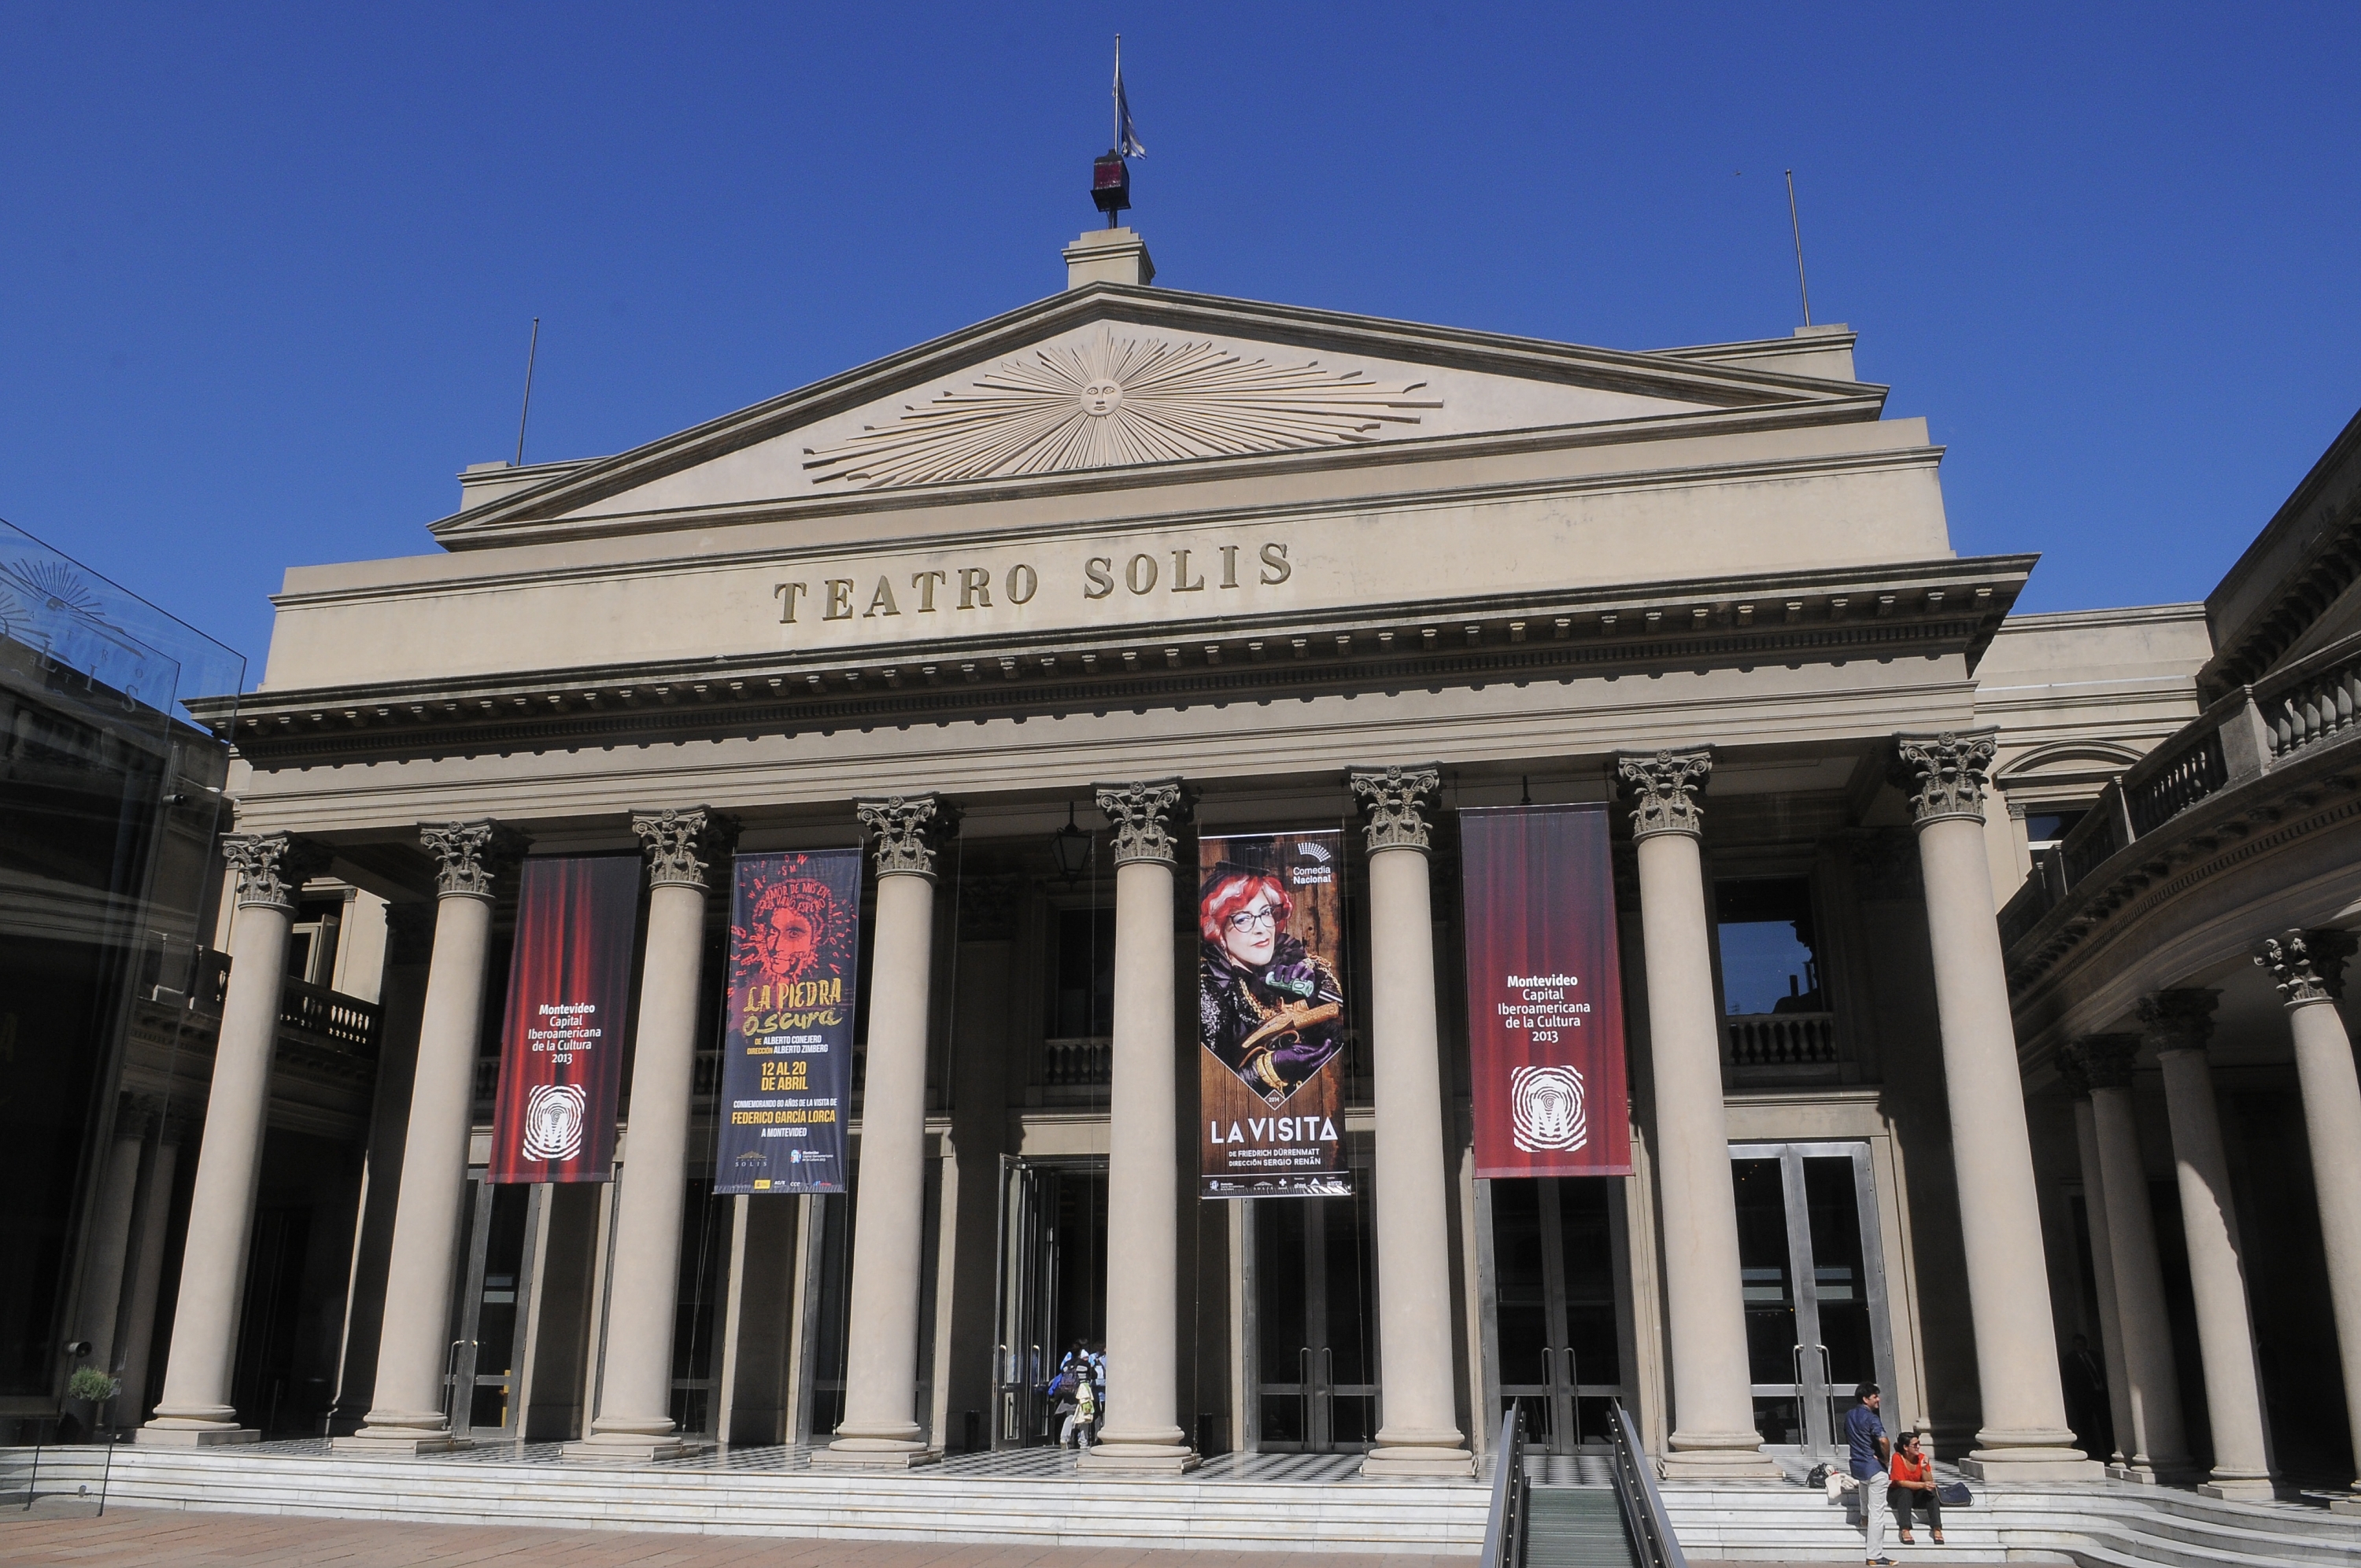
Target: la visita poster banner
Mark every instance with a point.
(786, 1035)
(562, 1039)
(1271, 1015)
(1544, 992)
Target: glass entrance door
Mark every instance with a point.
(1559, 1315)
(488, 1339)
(1313, 1332)
(1814, 1285)
(1052, 1285)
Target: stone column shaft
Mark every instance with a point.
(138, 1331)
(1713, 1408)
(406, 1409)
(1420, 1435)
(2103, 1271)
(2024, 1432)
(110, 1241)
(2178, 1024)
(2309, 967)
(195, 1410)
(880, 1425)
(2155, 1444)
(1143, 1148)
(635, 1419)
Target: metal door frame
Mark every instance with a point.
(1315, 1365)
(1816, 1399)
(1030, 1266)
(460, 1378)
(1564, 1393)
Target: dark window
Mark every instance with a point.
(1082, 974)
(1770, 954)
(2044, 829)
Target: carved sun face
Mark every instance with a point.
(1110, 402)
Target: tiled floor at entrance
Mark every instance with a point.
(155, 1538)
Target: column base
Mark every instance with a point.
(1714, 1456)
(874, 1454)
(393, 1442)
(1406, 1460)
(2141, 1473)
(2031, 1464)
(2238, 1488)
(197, 1436)
(1140, 1458)
(2351, 1505)
(633, 1448)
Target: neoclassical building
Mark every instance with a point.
(1026, 610)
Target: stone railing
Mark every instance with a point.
(2245, 734)
(1082, 1062)
(347, 1022)
(1782, 1039)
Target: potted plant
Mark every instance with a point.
(87, 1393)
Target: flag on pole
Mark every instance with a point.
(1126, 135)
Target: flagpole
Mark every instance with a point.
(1117, 142)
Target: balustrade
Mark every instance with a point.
(2312, 701)
(1782, 1039)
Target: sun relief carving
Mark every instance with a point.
(1116, 401)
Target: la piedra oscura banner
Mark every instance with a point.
(1271, 1015)
(787, 1041)
(1544, 992)
(561, 1037)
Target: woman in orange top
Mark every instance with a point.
(1912, 1485)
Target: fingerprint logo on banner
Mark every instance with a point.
(553, 1115)
(1545, 1109)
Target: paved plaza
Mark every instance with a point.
(128, 1538)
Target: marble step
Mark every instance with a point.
(1234, 1515)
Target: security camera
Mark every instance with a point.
(78, 1347)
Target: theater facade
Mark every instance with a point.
(1028, 614)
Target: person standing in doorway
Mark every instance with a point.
(1869, 1454)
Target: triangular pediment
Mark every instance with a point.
(1109, 382)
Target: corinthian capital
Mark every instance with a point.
(2307, 965)
(1398, 800)
(682, 844)
(1945, 773)
(470, 856)
(1144, 816)
(2107, 1059)
(907, 828)
(1662, 789)
(271, 868)
(2177, 1020)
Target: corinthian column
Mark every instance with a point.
(2153, 1442)
(1143, 1140)
(2309, 967)
(1420, 1435)
(880, 1362)
(270, 869)
(2178, 1024)
(406, 1414)
(2024, 1435)
(1713, 1405)
(634, 1419)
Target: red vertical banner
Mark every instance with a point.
(1544, 992)
(562, 1039)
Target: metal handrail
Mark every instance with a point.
(1653, 1540)
(1504, 1526)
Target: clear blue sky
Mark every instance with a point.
(268, 270)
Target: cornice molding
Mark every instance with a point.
(1907, 611)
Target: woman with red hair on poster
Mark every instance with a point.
(1267, 1007)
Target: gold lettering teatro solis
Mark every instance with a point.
(1188, 569)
